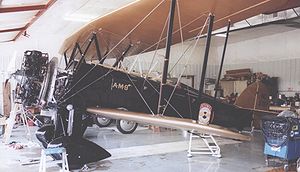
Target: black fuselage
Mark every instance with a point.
(108, 87)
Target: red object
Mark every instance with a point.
(30, 123)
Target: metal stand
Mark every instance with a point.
(298, 165)
(211, 146)
(49, 151)
(17, 109)
(2, 124)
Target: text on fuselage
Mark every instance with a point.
(120, 86)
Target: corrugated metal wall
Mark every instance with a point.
(189, 69)
(288, 72)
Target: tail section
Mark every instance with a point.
(255, 96)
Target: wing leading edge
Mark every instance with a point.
(141, 23)
(169, 122)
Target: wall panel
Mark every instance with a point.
(288, 72)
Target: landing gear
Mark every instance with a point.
(126, 127)
(123, 126)
(102, 121)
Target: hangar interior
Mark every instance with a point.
(262, 48)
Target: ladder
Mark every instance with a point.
(17, 109)
(211, 146)
(49, 151)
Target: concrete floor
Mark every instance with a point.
(144, 151)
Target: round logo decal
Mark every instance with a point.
(204, 113)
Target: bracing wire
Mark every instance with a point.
(183, 54)
(193, 49)
(157, 46)
(157, 91)
(185, 66)
(161, 35)
(180, 29)
(151, 46)
(140, 94)
(85, 87)
(84, 42)
(133, 29)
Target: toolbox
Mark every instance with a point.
(282, 138)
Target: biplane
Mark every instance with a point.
(88, 85)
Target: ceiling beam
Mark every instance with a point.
(37, 16)
(12, 30)
(18, 8)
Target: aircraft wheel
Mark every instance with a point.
(102, 121)
(126, 127)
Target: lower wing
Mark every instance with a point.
(169, 122)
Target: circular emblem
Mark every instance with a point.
(204, 113)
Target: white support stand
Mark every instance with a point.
(2, 124)
(211, 146)
(49, 151)
(17, 109)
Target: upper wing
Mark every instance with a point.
(170, 122)
(141, 23)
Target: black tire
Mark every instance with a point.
(131, 129)
(102, 122)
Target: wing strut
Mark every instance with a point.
(72, 57)
(98, 52)
(207, 46)
(220, 69)
(123, 55)
(161, 103)
(222, 61)
(66, 59)
(83, 54)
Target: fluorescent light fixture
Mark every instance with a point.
(79, 17)
(221, 35)
(87, 18)
(121, 8)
